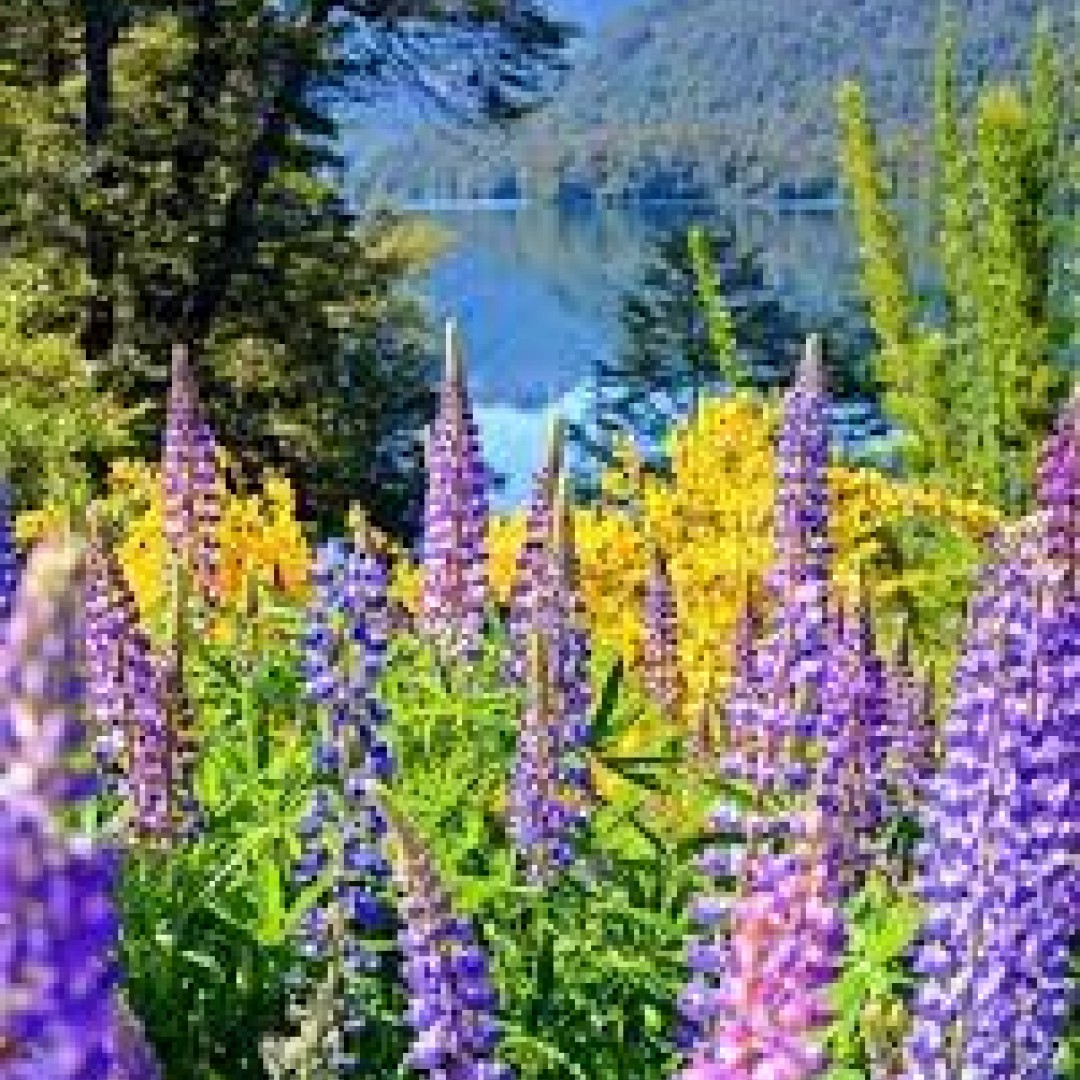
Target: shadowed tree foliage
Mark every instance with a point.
(176, 163)
(682, 331)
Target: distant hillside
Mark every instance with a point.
(682, 97)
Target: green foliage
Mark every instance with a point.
(975, 386)
(52, 421)
(206, 944)
(588, 972)
(869, 994)
(718, 321)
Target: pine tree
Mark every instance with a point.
(700, 315)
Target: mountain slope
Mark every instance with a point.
(684, 98)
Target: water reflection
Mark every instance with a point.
(540, 291)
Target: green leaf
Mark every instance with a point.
(603, 717)
(271, 901)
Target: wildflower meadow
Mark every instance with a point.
(693, 783)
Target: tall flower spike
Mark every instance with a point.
(1058, 492)
(539, 816)
(60, 1016)
(166, 720)
(455, 576)
(758, 996)
(912, 755)
(551, 790)
(997, 872)
(791, 665)
(747, 754)
(110, 615)
(532, 581)
(132, 736)
(191, 479)
(660, 660)
(574, 649)
(344, 826)
(850, 780)
(452, 1002)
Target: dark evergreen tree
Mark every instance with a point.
(175, 164)
(668, 357)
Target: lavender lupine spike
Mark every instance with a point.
(574, 649)
(534, 565)
(110, 615)
(455, 576)
(550, 789)
(190, 478)
(747, 753)
(850, 779)
(660, 660)
(344, 827)
(452, 1002)
(134, 741)
(791, 661)
(60, 1016)
(167, 751)
(999, 837)
(1058, 493)
(540, 817)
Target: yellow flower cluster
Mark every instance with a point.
(260, 538)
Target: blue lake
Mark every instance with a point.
(537, 290)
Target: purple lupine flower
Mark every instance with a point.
(165, 755)
(1058, 492)
(660, 660)
(190, 479)
(455, 577)
(534, 564)
(550, 787)
(60, 1016)
(748, 754)
(539, 817)
(345, 654)
(9, 557)
(110, 616)
(573, 644)
(850, 779)
(783, 699)
(452, 1003)
(998, 860)
(140, 751)
(800, 575)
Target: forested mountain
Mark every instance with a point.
(684, 98)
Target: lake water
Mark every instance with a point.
(537, 290)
